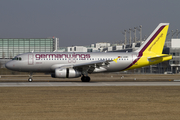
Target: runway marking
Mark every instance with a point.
(44, 84)
(177, 80)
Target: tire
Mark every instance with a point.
(30, 80)
(85, 79)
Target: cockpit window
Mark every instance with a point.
(17, 58)
(14, 58)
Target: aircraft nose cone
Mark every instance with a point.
(8, 65)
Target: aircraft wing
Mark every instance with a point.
(100, 62)
(87, 66)
(90, 66)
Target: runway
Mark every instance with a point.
(50, 84)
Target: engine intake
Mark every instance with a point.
(65, 73)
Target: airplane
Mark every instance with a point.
(80, 64)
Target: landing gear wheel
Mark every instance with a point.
(85, 79)
(30, 79)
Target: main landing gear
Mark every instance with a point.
(85, 78)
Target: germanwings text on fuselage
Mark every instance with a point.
(42, 56)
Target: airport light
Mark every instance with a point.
(134, 34)
(140, 33)
(125, 39)
(174, 33)
(135, 37)
(168, 35)
(171, 33)
(177, 34)
(129, 36)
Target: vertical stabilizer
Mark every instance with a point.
(155, 42)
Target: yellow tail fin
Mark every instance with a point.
(150, 52)
(155, 42)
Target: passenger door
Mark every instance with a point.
(30, 59)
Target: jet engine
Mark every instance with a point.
(65, 73)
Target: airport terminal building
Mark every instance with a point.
(10, 47)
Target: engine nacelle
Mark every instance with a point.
(65, 73)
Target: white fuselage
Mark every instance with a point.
(48, 62)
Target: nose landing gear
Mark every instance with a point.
(30, 77)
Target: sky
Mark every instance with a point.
(84, 22)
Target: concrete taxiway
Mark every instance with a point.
(50, 84)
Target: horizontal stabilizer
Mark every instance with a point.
(153, 59)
